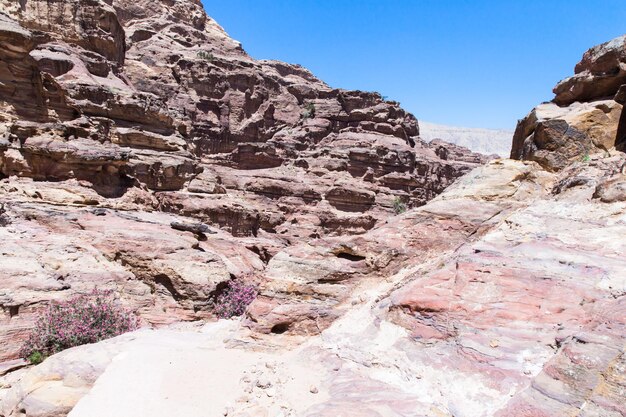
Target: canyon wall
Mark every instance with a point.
(145, 152)
(131, 130)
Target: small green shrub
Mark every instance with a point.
(114, 90)
(35, 358)
(309, 111)
(207, 56)
(398, 206)
(81, 320)
(586, 158)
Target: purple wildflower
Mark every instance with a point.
(234, 300)
(83, 319)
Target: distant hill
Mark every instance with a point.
(486, 141)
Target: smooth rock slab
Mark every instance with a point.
(172, 373)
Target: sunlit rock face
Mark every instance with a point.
(149, 107)
(144, 152)
(154, 94)
(502, 296)
(584, 117)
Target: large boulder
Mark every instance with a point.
(555, 136)
(585, 116)
(597, 76)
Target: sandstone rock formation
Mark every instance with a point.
(122, 120)
(504, 296)
(147, 94)
(143, 151)
(584, 117)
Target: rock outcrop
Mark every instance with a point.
(598, 75)
(584, 117)
(504, 296)
(122, 120)
(152, 94)
(144, 152)
(556, 136)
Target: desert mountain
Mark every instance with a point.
(145, 153)
(148, 110)
(485, 141)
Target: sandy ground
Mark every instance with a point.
(173, 373)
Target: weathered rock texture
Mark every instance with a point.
(132, 130)
(504, 296)
(584, 117)
(146, 153)
(155, 95)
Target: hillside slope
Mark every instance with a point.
(119, 118)
(500, 292)
(485, 141)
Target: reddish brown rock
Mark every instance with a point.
(165, 170)
(584, 117)
(598, 75)
(50, 253)
(150, 107)
(165, 88)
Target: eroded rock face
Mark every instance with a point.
(120, 118)
(501, 297)
(50, 252)
(507, 287)
(152, 94)
(598, 75)
(183, 163)
(584, 117)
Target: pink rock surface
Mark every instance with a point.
(149, 107)
(143, 151)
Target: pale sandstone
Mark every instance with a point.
(128, 135)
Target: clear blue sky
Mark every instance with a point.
(479, 63)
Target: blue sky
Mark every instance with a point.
(479, 63)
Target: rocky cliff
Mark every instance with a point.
(145, 152)
(585, 116)
(119, 118)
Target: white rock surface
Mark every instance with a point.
(169, 373)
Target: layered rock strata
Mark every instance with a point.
(144, 152)
(504, 296)
(121, 118)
